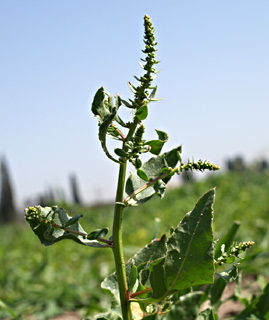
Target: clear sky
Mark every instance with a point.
(56, 54)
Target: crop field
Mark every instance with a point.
(38, 282)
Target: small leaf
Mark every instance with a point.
(73, 220)
(132, 277)
(163, 136)
(99, 233)
(155, 146)
(158, 279)
(142, 112)
(132, 87)
(142, 174)
(127, 104)
(153, 92)
(121, 153)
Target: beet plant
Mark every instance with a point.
(173, 275)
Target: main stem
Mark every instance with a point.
(118, 246)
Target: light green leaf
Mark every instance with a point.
(142, 174)
(206, 315)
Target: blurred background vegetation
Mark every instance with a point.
(41, 282)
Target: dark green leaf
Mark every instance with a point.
(99, 233)
(127, 104)
(73, 220)
(132, 277)
(163, 136)
(98, 106)
(189, 259)
(103, 133)
(121, 153)
(158, 279)
(142, 112)
(142, 174)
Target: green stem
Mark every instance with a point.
(118, 246)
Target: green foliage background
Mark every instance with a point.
(43, 282)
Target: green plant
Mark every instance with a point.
(165, 278)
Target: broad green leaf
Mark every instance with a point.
(186, 308)
(142, 112)
(189, 260)
(153, 168)
(49, 224)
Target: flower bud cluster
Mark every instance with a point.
(234, 252)
(200, 166)
(138, 147)
(142, 94)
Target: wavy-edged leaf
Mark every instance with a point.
(153, 168)
(98, 105)
(49, 224)
(189, 259)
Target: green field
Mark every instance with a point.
(39, 282)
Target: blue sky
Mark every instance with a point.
(55, 54)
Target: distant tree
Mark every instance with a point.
(7, 207)
(236, 164)
(74, 189)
